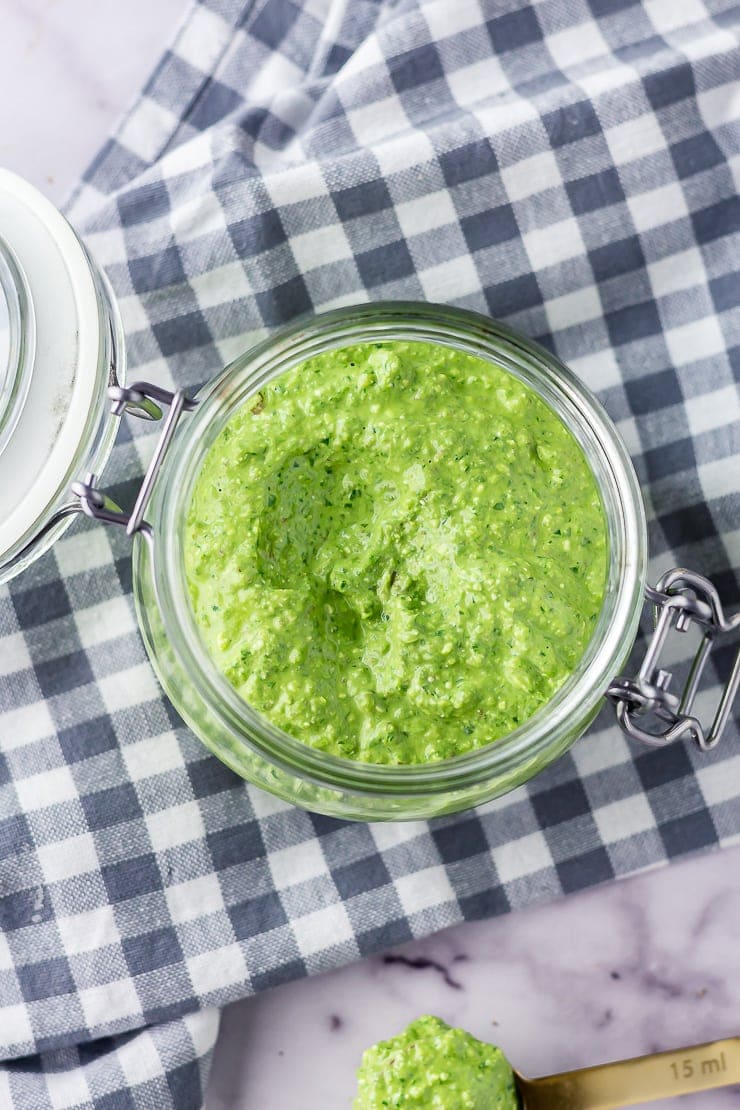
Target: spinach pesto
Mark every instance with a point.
(431, 1065)
(396, 552)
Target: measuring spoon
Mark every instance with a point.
(641, 1079)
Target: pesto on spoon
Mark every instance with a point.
(433, 1066)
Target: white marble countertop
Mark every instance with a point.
(646, 964)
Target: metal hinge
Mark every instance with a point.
(681, 597)
(144, 400)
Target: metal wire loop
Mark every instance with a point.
(144, 400)
(680, 598)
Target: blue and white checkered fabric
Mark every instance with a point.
(565, 166)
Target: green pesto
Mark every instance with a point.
(432, 1066)
(396, 552)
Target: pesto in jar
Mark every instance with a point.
(431, 1066)
(396, 552)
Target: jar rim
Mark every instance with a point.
(582, 414)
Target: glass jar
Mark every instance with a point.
(61, 362)
(265, 755)
(61, 349)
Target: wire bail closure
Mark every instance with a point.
(680, 598)
(144, 400)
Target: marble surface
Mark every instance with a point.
(649, 963)
(68, 69)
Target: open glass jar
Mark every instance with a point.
(262, 753)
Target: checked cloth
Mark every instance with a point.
(565, 166)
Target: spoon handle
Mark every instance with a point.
(625, 1082)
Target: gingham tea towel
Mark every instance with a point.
(565, 166)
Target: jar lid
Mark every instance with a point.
(50, 343)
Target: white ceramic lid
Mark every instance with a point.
(50, 333)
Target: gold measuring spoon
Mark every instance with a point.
(641, 1079)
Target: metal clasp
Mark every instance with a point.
(144, 400)
(681, 597)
